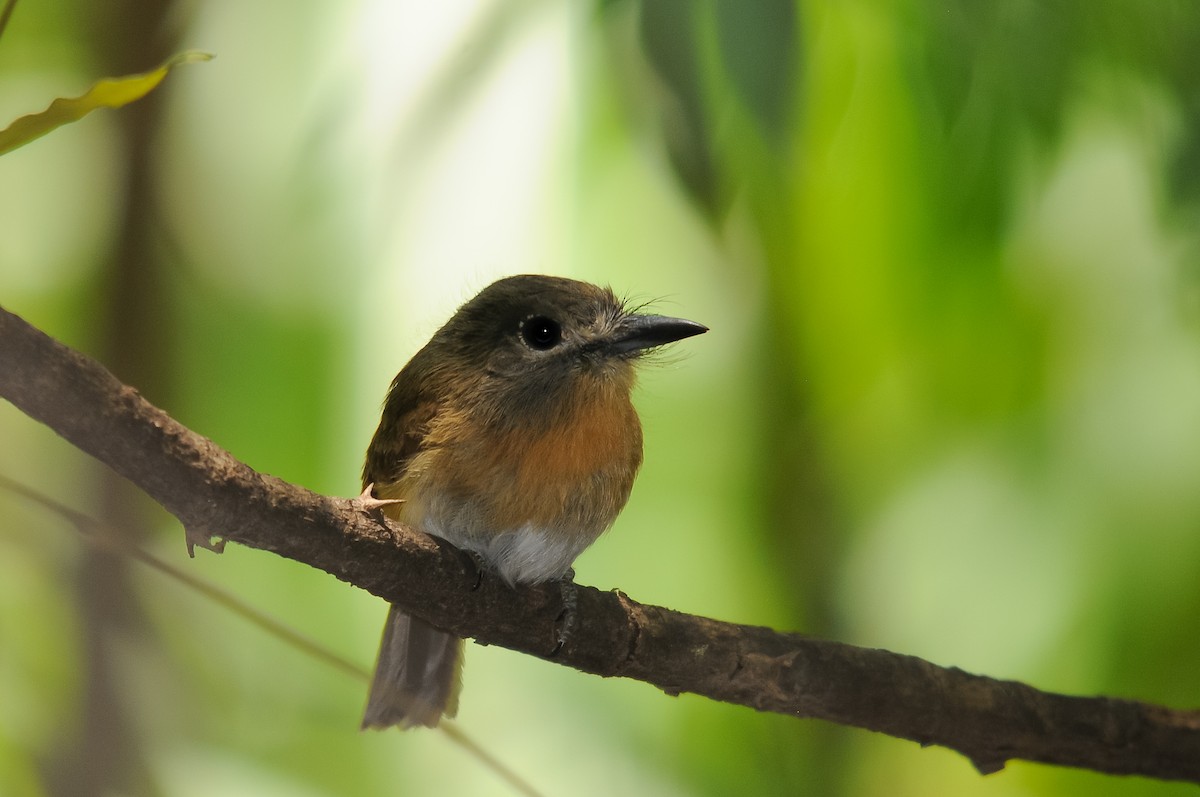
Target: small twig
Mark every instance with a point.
(97, 533)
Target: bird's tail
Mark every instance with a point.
(417, 677)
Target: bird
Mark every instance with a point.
(512, 436)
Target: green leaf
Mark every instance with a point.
(760, 52)
(106, 93)
(671, 34)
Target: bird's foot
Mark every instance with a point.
(367, 502)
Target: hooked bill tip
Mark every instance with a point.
(639, 332)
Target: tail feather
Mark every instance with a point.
(417, 677)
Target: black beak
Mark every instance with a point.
(639, 332)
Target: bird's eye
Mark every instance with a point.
(541, 333)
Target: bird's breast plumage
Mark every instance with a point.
(527, 498)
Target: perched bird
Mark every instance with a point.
(510, 434)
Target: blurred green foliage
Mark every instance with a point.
(950, 405)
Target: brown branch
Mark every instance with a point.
(213, 494)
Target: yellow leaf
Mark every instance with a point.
(106, 93)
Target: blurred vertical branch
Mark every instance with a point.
(6, 15)
(132, 331)
(728, 109)
(731, 72)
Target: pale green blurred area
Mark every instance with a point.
(949, 405)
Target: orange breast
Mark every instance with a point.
(574, 474)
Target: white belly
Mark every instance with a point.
(521, 556)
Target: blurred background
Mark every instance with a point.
(949, 406)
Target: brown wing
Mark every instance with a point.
(399, 438)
